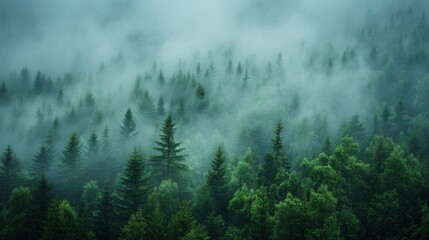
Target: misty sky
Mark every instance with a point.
(58, 36)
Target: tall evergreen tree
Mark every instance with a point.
(278, 147)
(105, 216)
(41, 161)
(169, 164)
(10, 173)
(132, 189)
(71, 165)
(217, 184)
(128, 126)
(39, 204)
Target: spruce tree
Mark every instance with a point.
(278, 147)
(132, 189)
(10, 173)
(169, 164)
(39, 204)
(105, 216)
(128, 126)
(71, 165)
(217, 183)
(41, 161)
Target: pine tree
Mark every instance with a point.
(39, 204)
(10, 173)
(41, 161)
(136, 227)
(157, 224)
(132, 189)
(93, 148)
(217, 184)
(278, 140)
(147, 106)
(128, 127)
(182, 222)
(105, 216)
(71, 165)
(169, 163)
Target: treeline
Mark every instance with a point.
(337, 195)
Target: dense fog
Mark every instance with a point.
(228, 73)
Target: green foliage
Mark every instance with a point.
(62, 223)
(88, 203)
(17, 215)
(136, 227)
(290, 219)
(41, 161)
(71, 164)
(105, 216)
(217, 184)
(10, 173)
(133, 185)
(156, 224)
(39, 204)
(169, 164)
(182, 222)
(166, 196)
(128, 126)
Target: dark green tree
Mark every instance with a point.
(10, 173)
(17, 215)
(217, 185)
(169, 164)
(128, 126)
(41, 161)
(39, 204)
(133, 187)
(62, 223)
(136, 227)
(278, 147)
(70, 166)
(156, 223)
(182, 222)
(105, 216)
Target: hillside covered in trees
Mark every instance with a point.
(216, 120)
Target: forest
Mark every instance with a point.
(255, 119)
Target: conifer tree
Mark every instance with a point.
(132, 189)
(41, 161)
(10, 173)
(136, 227)
(147, 106)
(105, 216)
(169, 164)
(128, 126)
(156, 224)
(217, 184)
(278, 147)
(39, 204)
(71, 165)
